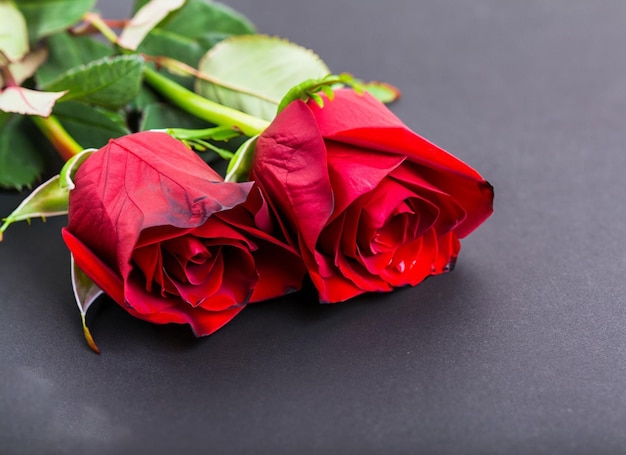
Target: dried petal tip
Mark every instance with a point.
(89, 338)
(449, 267)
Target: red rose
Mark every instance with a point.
(162, 234)
(370, 204)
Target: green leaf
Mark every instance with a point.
(384, 92)
(26, 67)
(89, 126)
(136, 107)
(4, 118)
(20, 161)
(85, 292)
(144, 20)
(13, 33)
(189, 32)
(240, 165)
(144, 98)
(45, 17)
(25, 101)
(159, 116)
(67, 51)
(197, 16)
(253, 73)
(107, 82)
(48, 199)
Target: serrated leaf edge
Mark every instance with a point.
(94, 63)
(257, 37)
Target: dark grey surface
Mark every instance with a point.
(522, 349)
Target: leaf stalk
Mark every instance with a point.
(203, 108)
(65, 144)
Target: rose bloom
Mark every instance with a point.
(370, 204)
(162, 234)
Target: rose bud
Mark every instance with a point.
(370, 204)
(162, 234)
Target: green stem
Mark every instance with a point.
(203, 108)
(58, 136)
(99, 24)
(176, 66)
(185, 99)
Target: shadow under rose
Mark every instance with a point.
(114, 329)
(425, 312)
(445, 295)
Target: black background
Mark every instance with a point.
(520, 350)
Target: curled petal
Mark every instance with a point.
(370, 204)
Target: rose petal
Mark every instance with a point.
(195, 293)
(356, 272)
(188, 248)
(280, 270)
(349, 111)
(106, 279)
(131, 185)
(364, 121)
(355, 171)
(290, 164)
(453, 213)
(150, 261)
(219, 231)
(447, 252)
(197, 274)
(412, 262)
(332, 287)
(158, 310)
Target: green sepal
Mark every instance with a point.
(198, 139)
(309, 89)
(253, 73)
(239, 166)
(68, 172)
(85, 292)
(48, 199)
(328, 91)
(218, 133)
(382, 91)
(202, 146)
(51, 198)
(318, 99)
